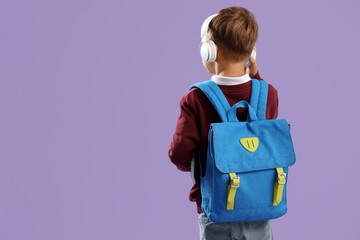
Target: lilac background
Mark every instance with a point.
(89, 98)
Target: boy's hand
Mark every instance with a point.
(252, 70)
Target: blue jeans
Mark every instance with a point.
(209, 230)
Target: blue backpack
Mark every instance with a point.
(247, 162)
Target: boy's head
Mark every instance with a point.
(234, 31)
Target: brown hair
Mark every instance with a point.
(235, 31)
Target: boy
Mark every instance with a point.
(234, 31)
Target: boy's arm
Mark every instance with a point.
(273, 100)
(253, 70)
(185, 139)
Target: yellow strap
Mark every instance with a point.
(279, 186)
(234, 184)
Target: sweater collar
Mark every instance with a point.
(222, 80)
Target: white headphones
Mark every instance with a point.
(207, 47)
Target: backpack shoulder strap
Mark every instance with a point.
(216, 97)
(258, 98)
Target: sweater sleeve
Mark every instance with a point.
(257, 76)
(272, 103)
(186, 137)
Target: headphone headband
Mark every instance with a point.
(205, 26)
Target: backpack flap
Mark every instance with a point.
(251, 146)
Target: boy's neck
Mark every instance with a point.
(230, 68)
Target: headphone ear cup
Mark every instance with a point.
(208, 51)
(204, 51)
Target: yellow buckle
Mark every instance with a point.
(235, 182)
(281, 178)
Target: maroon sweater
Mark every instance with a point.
(196, 115)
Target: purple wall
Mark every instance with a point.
(89, 98)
